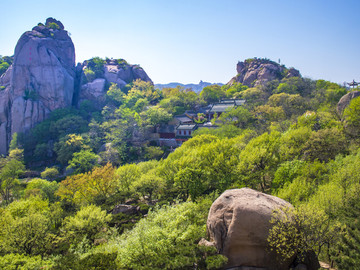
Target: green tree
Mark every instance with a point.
(88, 222)
(115, 94)
(67, 146)
(148, 185)
(238, 116)
(168, 239)
(156, 115)
(14, 142)
(20, 261)
(301, 231)
(126, 175)
(86, 188)
(11, 168)
(347, 251)
(25, 227)
(212, 93)
(259, 160)
(234, 90)
(50, 173)
(44, 188)
(291, 104)
(325, 144)
(83, 161)
(352, 117)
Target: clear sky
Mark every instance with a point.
(191, 40)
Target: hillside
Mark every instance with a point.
(104, 171)
(43, 78)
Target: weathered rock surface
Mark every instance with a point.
(114, 71)
(253, 72)
(43, 78)
(40, 80)
(238, 225)
(345, 101)
(125, 209)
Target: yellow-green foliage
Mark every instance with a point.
(166, 239)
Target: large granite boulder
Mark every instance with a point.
(253, 72)
(238, 224)
(345, 101)
(40, 80)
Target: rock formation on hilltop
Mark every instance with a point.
(43, 78)
(108, 71)
(256, 71)
(40, 80)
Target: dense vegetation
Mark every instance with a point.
(5, 62)
(60, 183)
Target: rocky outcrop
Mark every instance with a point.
(238, 225)
(125, 209)
(40, 80)
(345, 101)
(43, 78)
(113, 71)
(255, 71)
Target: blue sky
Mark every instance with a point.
(191, 40)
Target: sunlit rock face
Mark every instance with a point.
(238, 225)
(40, 80)
(253, 72)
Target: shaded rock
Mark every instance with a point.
(40, 80)
(309, 260)
(52, 20)
(93, 90)
(345, 101)
(239, 223)
(253, 72)
(125, 209)
(302, 267)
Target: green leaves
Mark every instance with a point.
(88, 221)
(167, 239)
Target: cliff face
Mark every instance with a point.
(253, 72)
(40, 80)
(43, 78)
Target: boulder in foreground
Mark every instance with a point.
(238, 225)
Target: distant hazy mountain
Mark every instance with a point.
(195, 87)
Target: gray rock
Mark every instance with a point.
(255, 72)
(345, 101)
(93, 90)
(40, 80)
(113, 73)
(206, 243)
(238, 224)
(125, 209)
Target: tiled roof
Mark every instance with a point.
(221, 107)
(186, 127)
(183, 118)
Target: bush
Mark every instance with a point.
(23, 262)
(50, 173)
